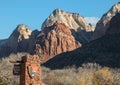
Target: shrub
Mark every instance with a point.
(88, 74)
(115, 79)
(2, 82)
(102, 77)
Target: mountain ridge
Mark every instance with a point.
(103, 51)
(103, 23)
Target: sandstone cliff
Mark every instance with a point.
(79, 27)
(104, 22)
(54, 40)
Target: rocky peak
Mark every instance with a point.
(112, 12)
(56, 12)
(54, 40)
(21, 34)
(24, 31)
(21, 31)
(74, 21)
(103, 23)
(21, 40)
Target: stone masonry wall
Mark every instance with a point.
(30, 73)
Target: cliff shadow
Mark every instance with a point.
(97, 51)
(81, 35)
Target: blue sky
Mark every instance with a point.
(33, 12)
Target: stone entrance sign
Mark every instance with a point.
(29, 70)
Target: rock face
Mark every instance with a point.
(54, 40)
(80, 29)
(21, 40)
(4, 49)
(114, 27)
(32, 41)
(104, 22)
(104, 51)
(21, 34)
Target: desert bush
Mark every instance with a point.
(2, 82)
(102, 77)
(115, 78)
(68, 76)
(87, 74)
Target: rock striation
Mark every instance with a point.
(104, 22)
(55, 40)
(81, 30)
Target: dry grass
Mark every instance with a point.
(102, 77)
(87, 74)
(6, 69)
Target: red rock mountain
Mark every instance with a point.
(81, 30)
(62, 32)
(104, 22)
(55, 40)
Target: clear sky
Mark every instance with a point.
(33, 12)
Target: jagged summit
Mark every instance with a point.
(57, 11)
(72, 20)
(81, 30)
(103, 23)
(114, 9)
(21, 34)
(21, 31)
(19, 41)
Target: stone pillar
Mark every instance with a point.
(30, 71)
